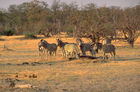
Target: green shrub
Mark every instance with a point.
(29, 35)
(9, 32)
(69, 31)
(37, 32)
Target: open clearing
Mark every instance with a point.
(22, 63)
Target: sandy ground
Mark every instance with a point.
(20, 62)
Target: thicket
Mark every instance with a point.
(8, 32)
(36, 17)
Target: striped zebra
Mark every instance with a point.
(49, 48)
(108, 48)
(68, 49)
(84, 47)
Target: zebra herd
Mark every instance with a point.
(75, 49)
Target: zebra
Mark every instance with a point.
(109, 48)
(68, 48)
(98, 46)
(107, 41)
(41, 49)
(61, 44)
(50, 48)
(84, 47)
(71, 50)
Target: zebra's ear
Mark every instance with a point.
(92, 44)
(41, 40)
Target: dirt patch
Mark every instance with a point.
(56, 73)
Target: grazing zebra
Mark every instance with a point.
(71, 50)
(86, 47)
(107, 41)
(50, 48)
(41, 49)
(98, 47)
(109, 48)
(61, 44)
(68, 49)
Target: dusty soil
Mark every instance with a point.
(20, 62)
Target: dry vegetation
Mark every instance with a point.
(20, 62)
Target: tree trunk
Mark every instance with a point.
(46, 34)
(131, 42)
(132, 45)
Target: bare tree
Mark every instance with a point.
(129, 24)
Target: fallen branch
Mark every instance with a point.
(25, 86)
(88, 57)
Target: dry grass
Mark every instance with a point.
(57, 74)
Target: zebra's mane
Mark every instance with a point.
(60, 43)
(44, 43)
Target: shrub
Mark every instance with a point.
(37, 32)
(29, 35)
(69, 31)
(9, 32)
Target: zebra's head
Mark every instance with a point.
(60, 43)
(43, 43)
(79, 41)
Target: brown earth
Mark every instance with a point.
(19, 61)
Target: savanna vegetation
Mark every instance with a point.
(36, 17)
(21, 65)
(20, 62)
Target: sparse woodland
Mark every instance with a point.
(36, 17)
(24, 67)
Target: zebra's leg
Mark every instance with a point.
(83, 52)
(104, 55)
(47, 52)
(111, 54)
(93, 53)
(63, 52)
(74, 54)
(39, 53)
(77, 55)
(51, 53)
(66, 54)
(41, 50)
(97, 50)
(55, 53)
(70, 54)
(42, 53)
(114, 54)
